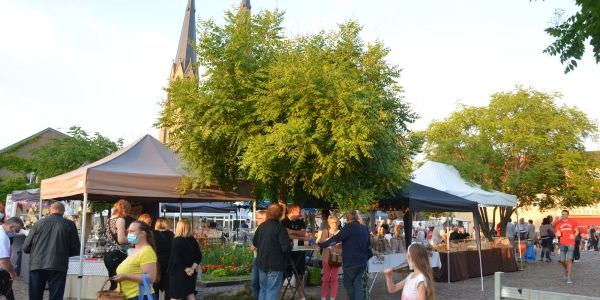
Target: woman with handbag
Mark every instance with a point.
(332, 259)
(183, 263)
(138, 271)
(116, 231)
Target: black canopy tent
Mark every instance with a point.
(418, 197)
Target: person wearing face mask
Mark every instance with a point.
(418, 285)
(13, 224)
(140, 264)
(50, 243)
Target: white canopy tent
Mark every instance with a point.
(145, 171)
(446, 178)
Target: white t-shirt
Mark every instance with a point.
(4, 244)
(410, 290)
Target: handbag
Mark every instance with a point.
(335, 260)
(108, 294)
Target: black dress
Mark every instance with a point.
(163, 252)
(185, 251)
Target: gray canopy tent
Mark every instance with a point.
(144, 171)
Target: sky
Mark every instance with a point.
(103, 65)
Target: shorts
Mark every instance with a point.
(566, 252)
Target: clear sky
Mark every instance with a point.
(103, 65)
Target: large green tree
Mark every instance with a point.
(54, 158)
(572, 33)
(522, 143)
(63, 155)
(320, 113)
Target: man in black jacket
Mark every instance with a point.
(50, 242)
(272, 247)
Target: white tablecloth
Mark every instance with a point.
(90, 267)
(398, 260)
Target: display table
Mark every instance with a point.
(465, 264)
(94, 276)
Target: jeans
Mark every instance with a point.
(270, 283)
(56, 284)
(353, 282)
(566, 252)
(254, 280)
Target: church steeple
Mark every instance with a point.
(246, 4)
(184, 64)
(186, 56)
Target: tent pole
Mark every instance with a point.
(41, 206)
(180, 209)
(82, 239)
(448, 244)
(519, 243)
(478, 229)
(254, 214)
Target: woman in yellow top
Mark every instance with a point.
(142, 260)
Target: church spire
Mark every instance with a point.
(246, 4)
(186, 56)
(184, 63)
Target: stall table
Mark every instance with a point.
(465, 264)
(94, 276)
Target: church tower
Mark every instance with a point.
(184, 65)
(185, 60)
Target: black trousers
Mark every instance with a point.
(56, 284)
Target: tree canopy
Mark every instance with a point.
(321, 113)
(63, 155)
(522, 143)
(54, 158)
(571, 34)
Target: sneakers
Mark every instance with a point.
(569, 281)
(576, 260)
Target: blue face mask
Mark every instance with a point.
(132, 238)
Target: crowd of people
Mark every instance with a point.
(169, 261)
(348, 247)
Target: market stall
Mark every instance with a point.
(418, 197)
(145, 171)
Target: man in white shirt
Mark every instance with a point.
(510, 231)
(522, 229)
(12, 225)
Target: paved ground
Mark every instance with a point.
(538, 275)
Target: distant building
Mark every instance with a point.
(23, 148)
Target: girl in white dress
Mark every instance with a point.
(418, 285)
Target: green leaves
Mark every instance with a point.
(63, 155)
(572, 34)
(522, 143)
(320, 113)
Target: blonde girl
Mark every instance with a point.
(418, 285)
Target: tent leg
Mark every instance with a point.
(180, 209)
(41, 206)
(478, 229)
(82, 239)
(448, 244)
(254, 214)
(519, 244)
